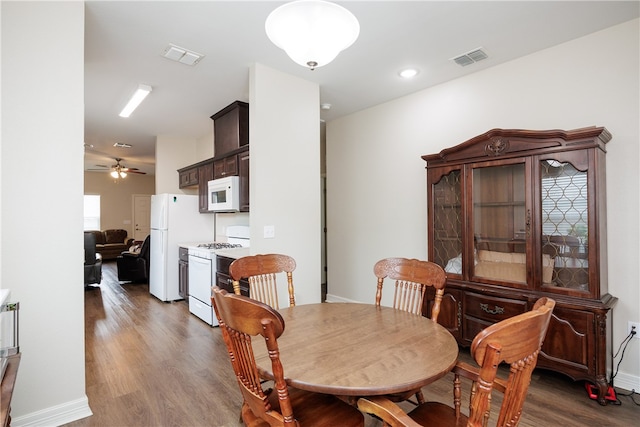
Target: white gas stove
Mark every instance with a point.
(208, 250)
(202, 271)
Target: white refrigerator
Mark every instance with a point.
(175, 220)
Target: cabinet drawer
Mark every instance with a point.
(472, 327)
(224, 282)
(492, 309)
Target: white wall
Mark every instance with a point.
(376, 182)
(42, 244)
(173, 153)
(116, 197)
(204, 145)
(284, 132)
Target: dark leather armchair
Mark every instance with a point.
(92, 261)
(134, 267)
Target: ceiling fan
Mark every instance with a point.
(118, 170)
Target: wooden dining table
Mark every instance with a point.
(350, 349)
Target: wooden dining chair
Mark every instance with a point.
(516, 341)
(412, 277)
(242, 318)
(261, 272)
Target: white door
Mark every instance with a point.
(141, 216)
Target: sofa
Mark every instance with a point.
(92, 261)
(111, 243)
(134, 266)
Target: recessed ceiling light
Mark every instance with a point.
(121, 145)
(408, 73)
(325, 106)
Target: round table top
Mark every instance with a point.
(359, 349)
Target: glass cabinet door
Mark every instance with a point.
(447, 222)
(500, 222)
(565, 222)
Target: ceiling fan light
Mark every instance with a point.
(114, 174)
(123, 174)
(312, 32)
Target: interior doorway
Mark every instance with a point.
(141, 216)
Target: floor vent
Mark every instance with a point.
(470, 57)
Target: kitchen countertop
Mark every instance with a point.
(190, 244)
(234, 252)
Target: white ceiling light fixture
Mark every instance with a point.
(312, 32)
(408, 73)
(139, 95)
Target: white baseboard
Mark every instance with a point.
(626, 382)
(335, 298)
(55, 415)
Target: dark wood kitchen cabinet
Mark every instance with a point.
(243, 172)
(188, 177)
(236, 164)
(227, 166)
(183, 273)
(515, 215)
(231, 128)
(231, 156)
(223, 279)
(205, 174)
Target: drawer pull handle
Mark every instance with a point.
(496, 310)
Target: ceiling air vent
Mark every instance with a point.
(470, 57)
(182, 55)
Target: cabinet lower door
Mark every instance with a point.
(569, 343)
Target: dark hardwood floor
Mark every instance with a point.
(150, 363)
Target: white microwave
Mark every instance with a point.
(224, 194)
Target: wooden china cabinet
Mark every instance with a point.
(514, 215)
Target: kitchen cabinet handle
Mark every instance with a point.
(497, 309)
